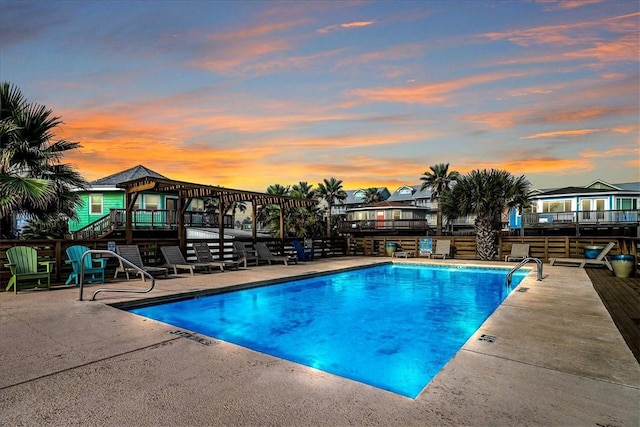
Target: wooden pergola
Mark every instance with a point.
(187, 191)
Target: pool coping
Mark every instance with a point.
(558, 359)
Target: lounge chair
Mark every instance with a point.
(93, 267)
(401, 253)
(132, 254)
(264, 254)
(24, 266)
(174, 259)
(303, 253)
(203, 255)
(583, 262)
(443, 249)
(519, 251)
(241, 251)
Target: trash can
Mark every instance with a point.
(390, 247)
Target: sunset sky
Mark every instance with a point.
(245, 94)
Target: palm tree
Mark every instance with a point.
(33, 182)
(485, 194)
(439, 181)
(269, 215)
(306, 221)
(371, 196)
(331, 192)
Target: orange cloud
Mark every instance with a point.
(568, 34)
(346, 26)
(561, 133)
(566, 4)
(428, 93)
(616, 151)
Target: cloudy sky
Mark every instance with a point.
(245, 94)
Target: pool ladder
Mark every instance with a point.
(520, 264)
(125, 261)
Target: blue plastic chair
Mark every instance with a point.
(93, 268)
(304, 254)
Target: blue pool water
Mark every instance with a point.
(390, 326)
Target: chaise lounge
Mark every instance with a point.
(132, 254)
(443, 249)
(174, 259)
(519, 251)
(600, 260)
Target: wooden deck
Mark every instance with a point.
(621, 297)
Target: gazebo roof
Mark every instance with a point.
(187, 190)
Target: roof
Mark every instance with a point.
(188, 190)
(135, 172)
(357, 196)
(628, 187)
(410, 192)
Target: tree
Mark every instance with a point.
(439, 181)
(371, 196)
(331, 192)
(33, 181)
(304, 221)
(485, 194)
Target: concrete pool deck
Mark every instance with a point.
(557, 359)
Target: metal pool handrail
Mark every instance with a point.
(520, 264)
(126, 261)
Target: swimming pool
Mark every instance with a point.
(391, 326)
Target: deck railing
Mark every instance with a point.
(383, 224)
(148, 219)
(552, 219)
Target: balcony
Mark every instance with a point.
(383, 225)
(616, 218)
(148, 219)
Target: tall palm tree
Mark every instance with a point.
(438, 180)
(269, 215)
(486, 194)
(304, 221)
(33, 181)
(331, 192)
(371, 195)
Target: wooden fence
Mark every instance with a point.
(463, 247)
(55, 250)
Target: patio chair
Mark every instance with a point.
(443, 249)
(303, 253)
(265, 254)
(401, 253)
(203, 255)
(93, 267)
(132, 254)
(583, 262)
(241, 251)
(519, 251)
(174, 259)
(24, 266)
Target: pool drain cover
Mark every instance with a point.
(192, 337)
(488, 338)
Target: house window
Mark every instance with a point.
(626, 204)
(196, 205)
(95, 204)
(151, 202)
(556, 206)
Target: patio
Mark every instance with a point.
(558, 359)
